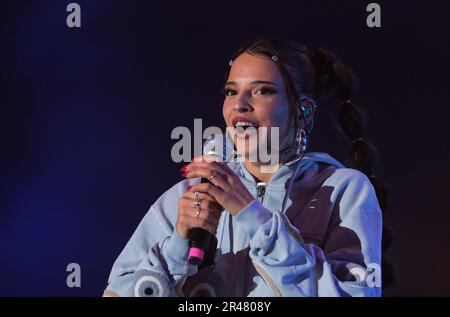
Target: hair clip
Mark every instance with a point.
(230, 62)
(357, 140)
(275, 58)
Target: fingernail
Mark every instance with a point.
(184, 174)
(183, 168)
(190, 186)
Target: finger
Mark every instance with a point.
(222, 168)
(210, 207)
(211, 189)
(212, 175)
(217, 166)
(194, 222)
(206, 206)
(225, 169)
(202, 196)
(205, 158)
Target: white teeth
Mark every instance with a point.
(244, 124)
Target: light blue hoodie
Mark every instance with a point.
(327, 243)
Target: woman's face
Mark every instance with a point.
(255, 93)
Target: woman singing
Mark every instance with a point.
(309, 227)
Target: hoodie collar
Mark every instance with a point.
(285, 172)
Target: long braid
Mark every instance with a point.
(336, 79)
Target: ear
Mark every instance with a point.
(307, 109)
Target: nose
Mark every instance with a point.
(242, 105)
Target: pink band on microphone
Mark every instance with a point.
(196, 253)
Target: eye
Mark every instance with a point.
(229, 92)
(265, 91)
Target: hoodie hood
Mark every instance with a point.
(306, 167)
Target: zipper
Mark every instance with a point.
(260, 191)
(294, 234)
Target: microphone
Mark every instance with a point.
(221, 147)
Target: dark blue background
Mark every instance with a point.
(86, 116)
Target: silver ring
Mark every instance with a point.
(197, 203)
(214, 174)
(196, 196)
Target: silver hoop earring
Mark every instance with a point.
(301, 141)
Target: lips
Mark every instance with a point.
(244, 123)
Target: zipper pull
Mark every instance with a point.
(260, 191)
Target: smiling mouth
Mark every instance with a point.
(241, 124)
(246, 124)
(245, 128)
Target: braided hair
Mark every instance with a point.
(319, 74)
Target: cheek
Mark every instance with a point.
(279, 117)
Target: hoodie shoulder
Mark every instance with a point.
(352, 187)
(342, 177)
(350, 176)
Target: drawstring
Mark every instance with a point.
(291, 181)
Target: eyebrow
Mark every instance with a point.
(253, 82)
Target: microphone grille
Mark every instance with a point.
(218, 145)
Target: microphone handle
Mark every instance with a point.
(198, 242)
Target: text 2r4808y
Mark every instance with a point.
(245, 306)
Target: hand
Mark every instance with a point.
(225, 187)
(207, 219)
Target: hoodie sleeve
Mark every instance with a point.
(347, 264)
(155, 253)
